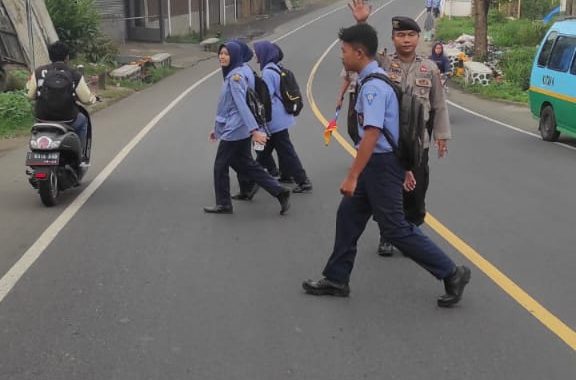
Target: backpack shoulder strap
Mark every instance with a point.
(385, 78)
(398, 93)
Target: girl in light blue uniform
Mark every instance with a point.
(234, 127)
(269, 56)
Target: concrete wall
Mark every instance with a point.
(112, 14)
(458, 8)
(181, 24)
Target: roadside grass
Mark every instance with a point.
(15, 114)
(499, 91)
(191, 38)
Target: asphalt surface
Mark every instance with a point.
(142, 285)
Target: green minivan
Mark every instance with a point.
(553, 82)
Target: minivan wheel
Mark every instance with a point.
(547, 124)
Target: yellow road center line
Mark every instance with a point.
(553, 323)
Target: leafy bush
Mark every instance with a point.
(510, 33)
(15, 113)
(537, 9)
(78, 26)
(16, 79)
(447, 29)
(517, 65)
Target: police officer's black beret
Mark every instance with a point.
(401, 23)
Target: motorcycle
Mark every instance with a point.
(56, 160)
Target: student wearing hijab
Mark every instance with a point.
(268, 56)
(235, 126)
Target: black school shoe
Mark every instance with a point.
(304, 187)
(284, 199)
(218, 209)
(246, 196)
(385, 248)
(325, 287)
(454, 286)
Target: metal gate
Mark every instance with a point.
(145, 21)
(214, 12)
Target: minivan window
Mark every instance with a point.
(546, 49)
(562, 53)
(573, 69)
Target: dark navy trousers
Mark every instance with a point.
(379, 193)
(291, 165)
(238, 156)
(415, 201)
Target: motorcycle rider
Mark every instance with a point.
(56, 87)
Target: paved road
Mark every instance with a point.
(142, 285)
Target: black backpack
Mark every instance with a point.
(410, 145)
(290, 91)
(56, 91)
(258, 100)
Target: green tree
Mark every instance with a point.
(77, 23)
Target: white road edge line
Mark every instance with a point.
(15, 273)
(504, 124)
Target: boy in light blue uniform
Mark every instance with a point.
(374, 183)
(234, 126)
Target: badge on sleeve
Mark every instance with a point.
(370, 96)
(423, 69)
(236, 77)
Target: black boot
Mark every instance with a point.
(284, 199)
(246, 196)
(303, 187)
(454, 286)
(385, 248)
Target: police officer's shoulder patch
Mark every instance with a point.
(236, 77)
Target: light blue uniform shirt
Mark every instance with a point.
(248, 73)
(281, 119)
(234, 121)
(377, 106)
